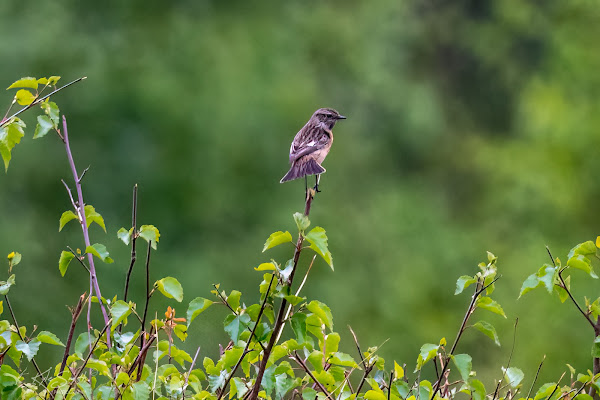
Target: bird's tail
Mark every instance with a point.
(302, 169)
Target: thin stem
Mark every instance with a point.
(38, 101)
(37, 368)
(298, 360)
(133, 240)
(512, 349)
(148, 291)
(75, 313)
(187, 376)
(84, 227)
(535, 378)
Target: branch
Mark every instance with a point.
(75, 313)
(280, 322)
(81, 211)
(246, 351)
(512, 349)
(187, 376)
(38, 101)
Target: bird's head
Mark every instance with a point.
(327, 117)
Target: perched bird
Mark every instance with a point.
(311, 145)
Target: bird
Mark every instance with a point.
(311, 145)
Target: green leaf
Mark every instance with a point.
(27, 82)
(92, 216)
(233, 326)
(321, 311)
(545, 390)
(53, 80)
(489, 304)
(464, 282)
(464, 365)
(196, 307)
(302, 221)
(276, 239)
(343, 359)
(14, 258)
(477, 389)
(24, 97)
(428, 351)
(583, 263)
(487, 329)
(119, 312)
(293, 299)
(170, 287)
(64, 218)
(44, 125)
(99, 250)
(10, 136)
(265, 267)
(514, 376)
(586, 249)
(234, 299)
(298, 322)
(150, 234)
(318, 242)
(50, 338)
(375, 395)
(125, 235)
(29, 349)
(52, 111)
(5, 285)
(596, 347)
(64, 261)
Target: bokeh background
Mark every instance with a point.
(472, 126)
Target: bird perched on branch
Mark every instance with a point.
(311, 145)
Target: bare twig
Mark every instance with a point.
(536, 377)
(187, 376)
(133, 240)
(512, 349)
(81, 212)
(75, 313)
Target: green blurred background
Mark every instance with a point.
(472, 126)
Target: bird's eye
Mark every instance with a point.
(329, 115)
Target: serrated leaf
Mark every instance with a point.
(487, 329)
(321, 311)
(29, 349)
(514, 376)
(92, 216)
(125, 235)
(464, 282)
(489, 304)
(545, 390)
(170, 287)
(5, 285)
(233, 326)
(99, 250)
(583, 263)
(64, 218)
(64, 261)
(24, 97)
(318, 242)
(196, 307)
(464, 365)
(119, 312)
(49, 338)
(10, 136)
(234, 299)
(150, 234)
(343, 359)
(276, 239)
(44, 125)
(302, 221)
(27, 82)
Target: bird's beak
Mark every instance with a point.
(341, 117)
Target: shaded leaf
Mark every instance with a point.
(119, 312)
(302, 221)
(66, 217)
(151, 234)
(489, 304)
(321, 311)
(64, 261)
(29, 349)
(5, 285)
(49, 338)
(52, 111)
(464, 282)
(196, 307)
(318, 242)
(125, 235)
(44, 125)
(514, 376)
(92, 216)
(464, 365)
(487, 329)
(428, 351)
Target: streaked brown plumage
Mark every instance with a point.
(312, 144)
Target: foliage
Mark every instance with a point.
(261, 359)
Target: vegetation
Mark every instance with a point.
(132, 357)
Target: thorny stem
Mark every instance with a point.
(81, 214)
(280, 322)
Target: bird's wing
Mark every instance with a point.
(306, 144)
